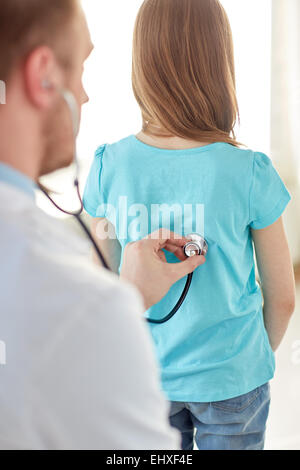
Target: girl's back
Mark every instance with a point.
(218, 335)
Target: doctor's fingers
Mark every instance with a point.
(176, 250)
(179, 270)
(163, 236)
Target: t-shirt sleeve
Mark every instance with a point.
(94, 199)
(268, 196)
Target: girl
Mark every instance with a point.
(217, 354)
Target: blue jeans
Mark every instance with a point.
(235, 424)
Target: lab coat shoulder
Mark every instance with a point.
(114, 376)
(81, 372)
(104, 381)
(102, 363)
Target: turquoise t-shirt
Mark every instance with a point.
(216, 346)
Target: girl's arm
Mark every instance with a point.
(277, 278)
(109, 246)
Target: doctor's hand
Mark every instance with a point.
(145, 265)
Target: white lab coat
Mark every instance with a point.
(80, 371)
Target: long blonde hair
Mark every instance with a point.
(183, 72)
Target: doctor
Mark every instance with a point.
(79, 369)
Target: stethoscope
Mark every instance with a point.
(196, 245)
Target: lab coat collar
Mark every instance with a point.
(17, 179)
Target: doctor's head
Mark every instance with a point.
(43, 47)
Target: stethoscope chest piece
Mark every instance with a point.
(196, 246)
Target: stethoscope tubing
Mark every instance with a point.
(177, 306)
(78, 217)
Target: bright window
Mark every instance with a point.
(112, 112)
(251, 22)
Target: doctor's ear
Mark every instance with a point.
(41, 75)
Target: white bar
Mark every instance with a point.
(2, 92)
(2, 353)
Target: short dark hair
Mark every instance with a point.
(26, 24)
